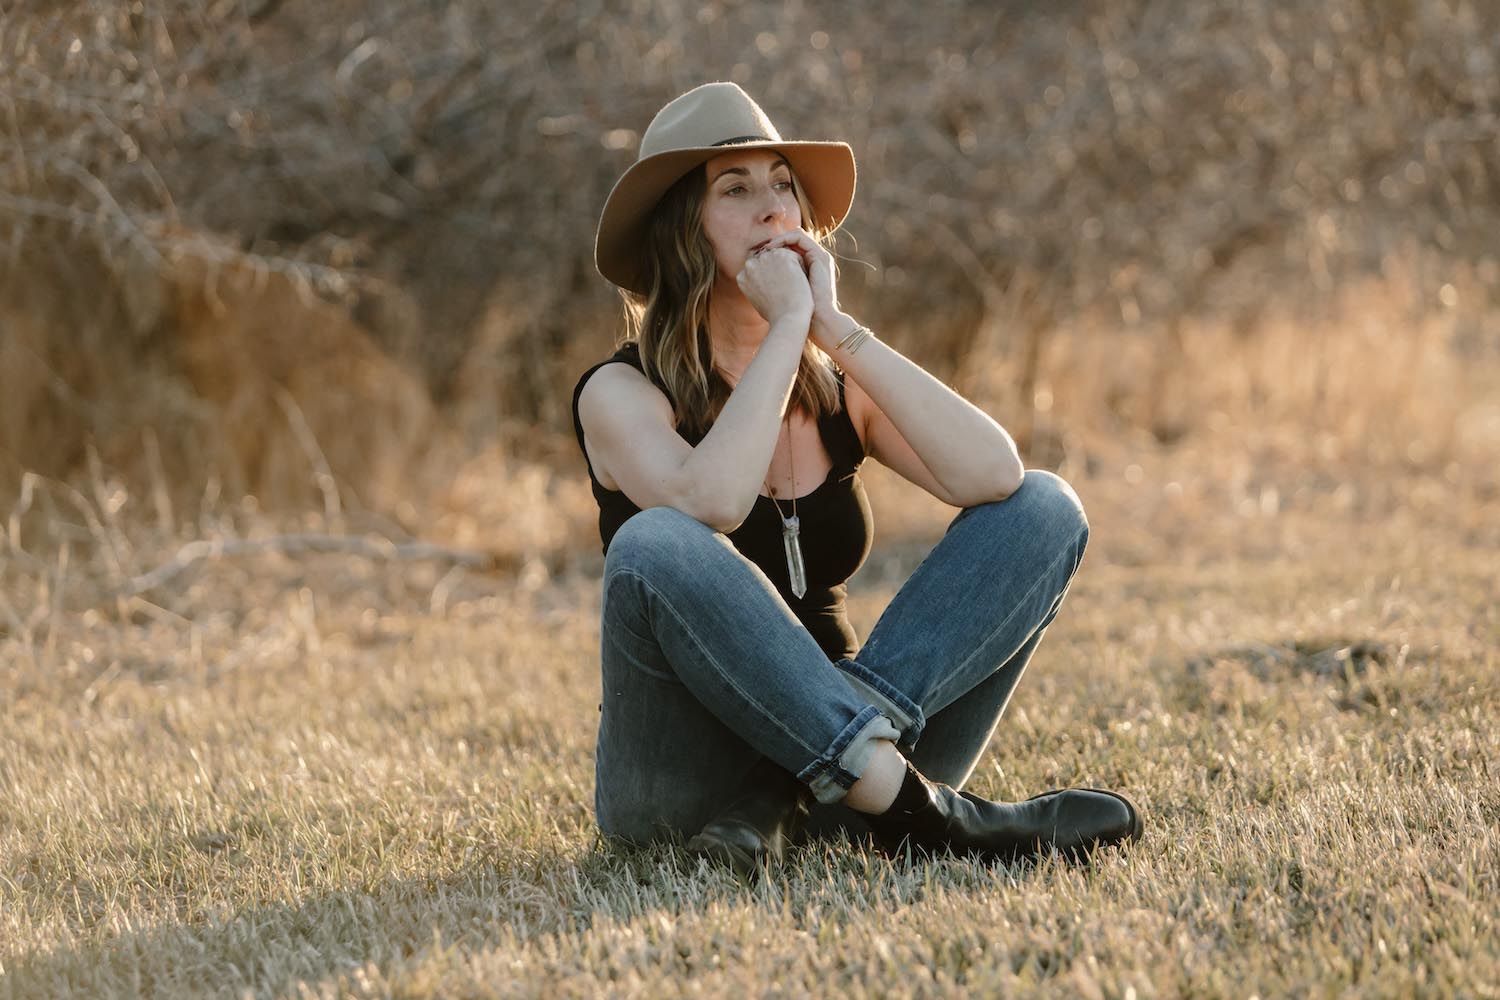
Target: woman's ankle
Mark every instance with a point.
(881, 782)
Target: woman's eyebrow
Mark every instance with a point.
(744, 172)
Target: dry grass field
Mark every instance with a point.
(369, 773)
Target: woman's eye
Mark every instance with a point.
(741, 189)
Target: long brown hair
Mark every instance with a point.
(670, 322)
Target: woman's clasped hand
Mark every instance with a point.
(777, 285)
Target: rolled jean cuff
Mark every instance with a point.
(832, 775)
(901, 710)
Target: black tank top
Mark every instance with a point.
(836, 524)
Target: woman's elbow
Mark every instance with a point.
(1009, 478)
(995, 483)
(1002, 471)
(725, 522)
(722, 514)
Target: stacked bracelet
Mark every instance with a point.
(855, 340)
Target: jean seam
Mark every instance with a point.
(668, 676)
(718, 668)
(1015, 610)
(604, 605)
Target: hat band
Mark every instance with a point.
(743, 138)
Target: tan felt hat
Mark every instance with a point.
(688, 132)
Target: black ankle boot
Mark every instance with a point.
(755, 828)
(1073, 821)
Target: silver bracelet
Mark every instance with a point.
(855, 340)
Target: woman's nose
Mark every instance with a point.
(774, 207)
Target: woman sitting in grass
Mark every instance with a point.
(724, 441)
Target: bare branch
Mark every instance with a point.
(369, 548)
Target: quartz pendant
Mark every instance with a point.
(795, 571)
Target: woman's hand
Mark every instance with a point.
(828, 321)
(776, 285)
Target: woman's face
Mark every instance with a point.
(749, 199)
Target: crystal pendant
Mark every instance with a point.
(795, 571)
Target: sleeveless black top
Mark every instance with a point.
(836, 523)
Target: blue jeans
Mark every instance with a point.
(705, 668)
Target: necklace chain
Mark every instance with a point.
(791, 527)
(791, 460)
(796, 569)
(792, 466)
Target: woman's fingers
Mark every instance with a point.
(817, 262)
(775, 283)
(771, 256)
(796, 239)
(809, 251)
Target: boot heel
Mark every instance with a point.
(755, 829)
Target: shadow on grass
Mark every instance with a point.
(268, 948)
(1360, 674)
(499, 901)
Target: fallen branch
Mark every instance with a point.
(371, 548)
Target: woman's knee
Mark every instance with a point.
(655, 539)
(1057, 504)
(1044, 506)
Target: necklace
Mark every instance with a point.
(791, 526)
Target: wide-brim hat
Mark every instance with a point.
(691, 130)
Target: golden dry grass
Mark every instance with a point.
(333, 776)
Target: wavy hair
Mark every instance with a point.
(670, 322)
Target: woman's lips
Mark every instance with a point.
(761, 245)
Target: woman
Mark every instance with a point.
(723, 441)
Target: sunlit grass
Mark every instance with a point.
(303, 777)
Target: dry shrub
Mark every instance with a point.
(1127, 167)
(525, 515)
(1131, 173)
(199, 367)
(81, 363)
(300, 389)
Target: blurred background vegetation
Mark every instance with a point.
(338, 256)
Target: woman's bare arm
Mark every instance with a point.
(913, 423)
(633, 444)
(987, 468)
(925, 431)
